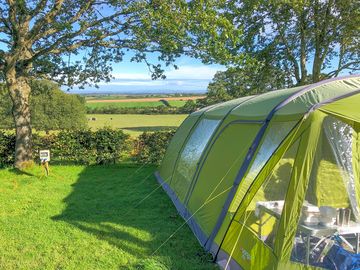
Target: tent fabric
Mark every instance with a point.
(220, 158)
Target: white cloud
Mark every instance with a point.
(183, 73)
(192, 73)
(124, 82)
(132, 76)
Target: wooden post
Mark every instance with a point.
(45, 164)
(45, 158)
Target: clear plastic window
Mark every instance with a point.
(264, 211)
(276, 134)
(329, 229)
(194, 147)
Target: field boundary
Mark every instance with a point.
(143, 99)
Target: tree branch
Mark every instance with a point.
(12, 15)
(36, 35)
(302, 22)
(291, 57)
(7, 42)
(5, 23)
(47, 19)
(336, 72)
(39, 7)
(85, 42)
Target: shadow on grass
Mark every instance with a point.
(103, 204)
(150, 128)
(20, 172)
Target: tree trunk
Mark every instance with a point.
(316, 69)
(19, 89)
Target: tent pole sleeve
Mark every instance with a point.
(297, 188)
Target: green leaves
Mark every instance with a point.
(308, 40)
(150, 148)
(103, 31)
(248, 80)
(104, 146)
(50, 107)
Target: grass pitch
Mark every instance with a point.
(90, 218)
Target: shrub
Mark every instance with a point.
(90, 147)
(7, 148)
(111, 145)
(151, 147)
(103, 146)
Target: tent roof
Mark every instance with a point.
(294, 101)
(346, 108)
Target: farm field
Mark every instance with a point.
(135, 124)
(177, 103)
(140, 96)
(124, 102)
(99, 104)
(93, 217)
(139, 99)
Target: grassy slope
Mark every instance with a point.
(135, 124)
(84, 218)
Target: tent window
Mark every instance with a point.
(276, 134)
(329, 226)
(263, 213)
(194, 147)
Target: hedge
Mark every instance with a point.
(150, 147)
(92, 147)
(189, 107)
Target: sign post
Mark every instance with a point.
(44, 159)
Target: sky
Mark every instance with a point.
(130, 77)
(192, 76)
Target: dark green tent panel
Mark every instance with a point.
(274, 176)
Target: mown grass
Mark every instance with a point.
(132, 104)
(91, 218)
(135, 124)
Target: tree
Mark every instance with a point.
(50, 107)
(238, 82)
(310, 39)
(75, 42)
(251, 79)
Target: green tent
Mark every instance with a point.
(272, 181)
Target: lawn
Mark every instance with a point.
(135, 124)
(92, 218)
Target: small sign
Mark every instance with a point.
(44, 155)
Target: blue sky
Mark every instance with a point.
(131, 77)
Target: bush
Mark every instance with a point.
(151, 147)
(7, 148)
(111, 145)
(87, 147)
(92, 147)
